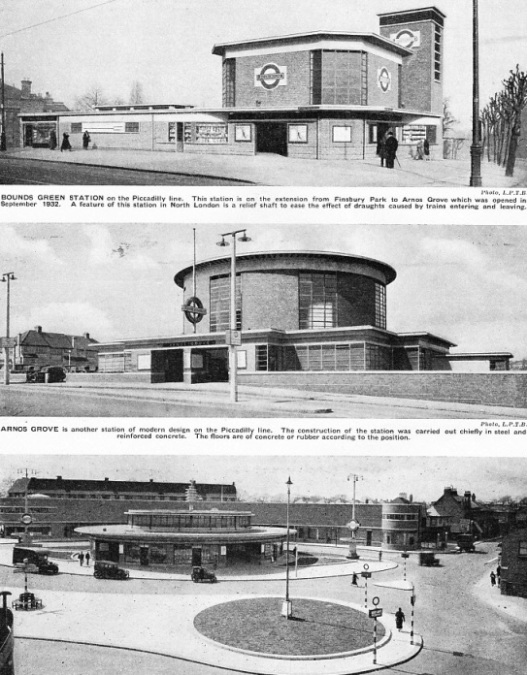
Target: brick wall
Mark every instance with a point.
(417, 71)
(330, 150)
(499, 389)
(270, 300)
(376, 96)
(514, 566)
(296, 92)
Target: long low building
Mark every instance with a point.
(316, 95)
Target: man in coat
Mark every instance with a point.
(391, 146)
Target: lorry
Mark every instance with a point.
(465, 542)
(35, 558)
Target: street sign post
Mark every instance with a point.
(375, 613)
(233, 337)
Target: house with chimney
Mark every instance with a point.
(454, 514)
(36, 132)
(36, 348)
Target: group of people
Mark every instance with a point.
(495, 577)
(66, 145)
(387, 146)
(84, 557)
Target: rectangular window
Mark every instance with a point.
(172, 132)
(437, 53)
(229, 83)
(343, 74)
(380, 306)
(378, 358)
(76, 127)
(297, 133)
(211, 134)
(261, 357)
(364, 78)
(317, 300)
(341, 134)
(316, 77)
(131, 128)
(220, 293)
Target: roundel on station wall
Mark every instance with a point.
(407, 38)
(270, 76)
(384, 79)
(193, 310)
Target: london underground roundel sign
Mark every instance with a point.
(384, 79)
(271, 75)
(193, 310)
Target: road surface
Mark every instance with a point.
(463, 635)
(35, 172)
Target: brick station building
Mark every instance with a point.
(315, 95)
(298, 312)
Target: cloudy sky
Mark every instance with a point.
(468, 284)
(166, 44)
(381, 477)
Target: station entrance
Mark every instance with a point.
(210, 365)
(271, 137)
(167, 365)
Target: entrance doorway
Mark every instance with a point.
(210, 365)
(167, 365)
(28, 135)
(143, 556)
(196, 557)
(271, 137)
(368, 537)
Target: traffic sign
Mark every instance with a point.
(375, 601)
(375, 613)
(405, 555)
(366, 575)
(233, 337)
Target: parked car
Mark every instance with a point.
(109, 570)
(34, 559)
(428, 559)
(200, 574)
(46, 374)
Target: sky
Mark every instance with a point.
(467, 284)
(166, 44)
(265, 476)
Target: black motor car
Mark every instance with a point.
(46, 374)
(200, 574)
(109, 570)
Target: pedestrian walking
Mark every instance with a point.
(391, 150)
(426, 150)
(420, 150)
(81, 558)
(354, 579)
(492, 579)
(381, 149)
(498, 574)
(52, 139)
(66, 145)
(87, 557)
(86, 140)
(399, 619)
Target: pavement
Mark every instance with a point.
(164, 625)
(271, 169)
(285, 402)
(509, 605)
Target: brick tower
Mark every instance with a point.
(420, 30)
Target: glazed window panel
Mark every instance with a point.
(438, 36)
(380, 305)
(317, 300)
(220, 294)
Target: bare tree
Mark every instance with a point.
(136, 93)
(90, 100)
(516, 93)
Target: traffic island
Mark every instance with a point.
(317, 629)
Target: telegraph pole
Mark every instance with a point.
(3, 140)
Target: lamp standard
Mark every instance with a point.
(3, 137)
(353, 525)
(7, 277)
(287, 609)
(476, 149)
(233, 335)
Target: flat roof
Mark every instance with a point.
(386, 269)
(314, 36)
(479, 356)
(192, 512)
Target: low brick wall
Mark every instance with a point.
(105, 378)
(508, 389)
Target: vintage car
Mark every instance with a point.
(200, 574)
(428, 559)
(46, 374)
(109, 570)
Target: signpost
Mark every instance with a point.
(366, 575)
(375, 613)
(405, 555)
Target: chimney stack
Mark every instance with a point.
(26, 88)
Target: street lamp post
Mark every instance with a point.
(231, 339)
(476, 149)
(3, 136)
(7, 277)
(353, 525)
(287, 609)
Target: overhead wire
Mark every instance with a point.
(57, 18)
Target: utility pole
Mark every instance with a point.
(8, 277)
(476, 149)
(3, 139)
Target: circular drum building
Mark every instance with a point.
(170, 538)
